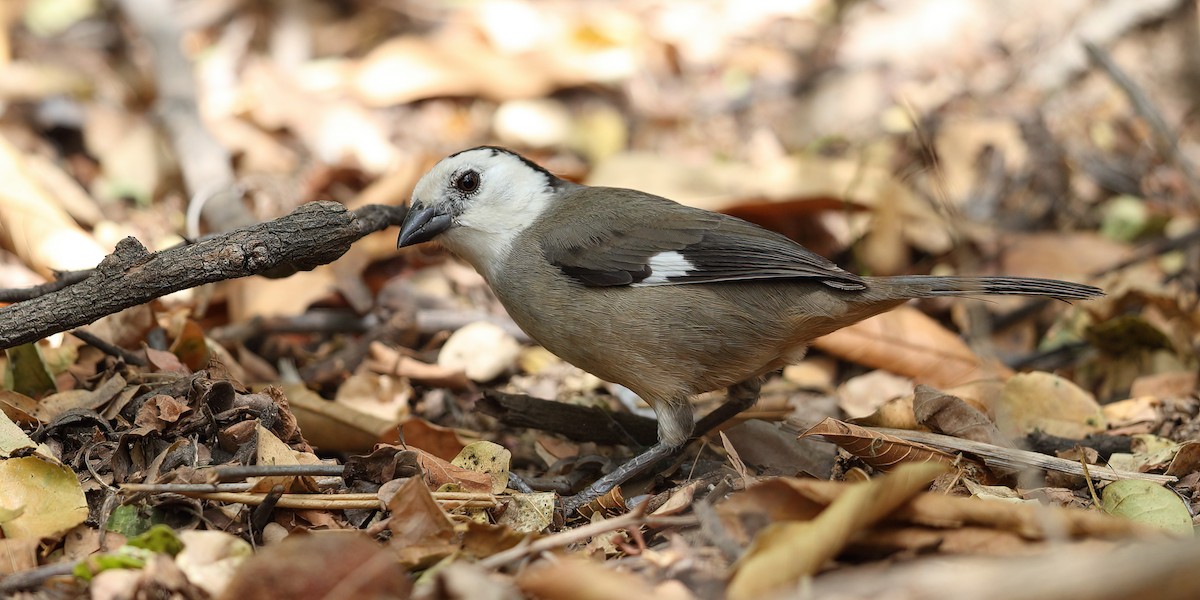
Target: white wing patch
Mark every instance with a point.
(665, 265)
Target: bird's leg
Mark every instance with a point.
(675, 429)
(675, 423)
(620, 475)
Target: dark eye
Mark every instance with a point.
(467, 182)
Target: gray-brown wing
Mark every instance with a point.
(618, 244)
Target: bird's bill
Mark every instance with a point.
(423, 223)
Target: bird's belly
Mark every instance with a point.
(658, 341)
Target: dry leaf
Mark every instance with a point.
(421, 532)
(784, 552)
(344, 564)
(1048, 403)
(907, 342)
(48, 497)
(950, 415)
(575, 579)
(488, 458)
(439, 472)
(271, 451)
(881, 451)
(34, 227)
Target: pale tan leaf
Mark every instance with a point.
(784, 552)
(1046, 402)
(907, 342)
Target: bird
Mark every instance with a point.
(667, 300)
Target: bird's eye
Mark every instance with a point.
(467, 182)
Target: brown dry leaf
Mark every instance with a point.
(735, 461)
(129, 149)
(1049, 403)
(681, 498)
(18, 555)
(575, 579)
(343, 564)
(33, 227)
(1186, 460)
(190, 346)
(960, 540)
(908, 342)
(421, 532)
(483, 539)
(435, 67)
(13, 440)
(462, 580)
(774, 450)
(1164, 385)
(1059, 254)
(784, 552)
(950, 415)
(439, 472)
(1033, 521)
(30, 81)
(54, 405)
(333, 427)
(881, 451)
(442, 442)
(20, 408)
(481, 350)
(165, 362)
(127, 328)
(159, 412)
(520, 57)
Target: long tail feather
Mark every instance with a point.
(932, 285)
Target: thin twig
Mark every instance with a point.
(234, 473)
(91, 339)
(63, 280)
(632, 519)
(338, 501)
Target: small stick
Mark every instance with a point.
(94, 341)
(338, 501)
(570, 536)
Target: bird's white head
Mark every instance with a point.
(476, 202)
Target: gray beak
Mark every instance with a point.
(423, 223)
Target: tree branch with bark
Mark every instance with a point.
(314, 234)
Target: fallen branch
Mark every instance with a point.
(314, 234)
(580, 423)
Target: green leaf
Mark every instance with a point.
(1149, 503)
(159, 538)
(28, 371)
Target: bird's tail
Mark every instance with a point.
(924, 286)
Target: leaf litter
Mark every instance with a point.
(324, 435)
